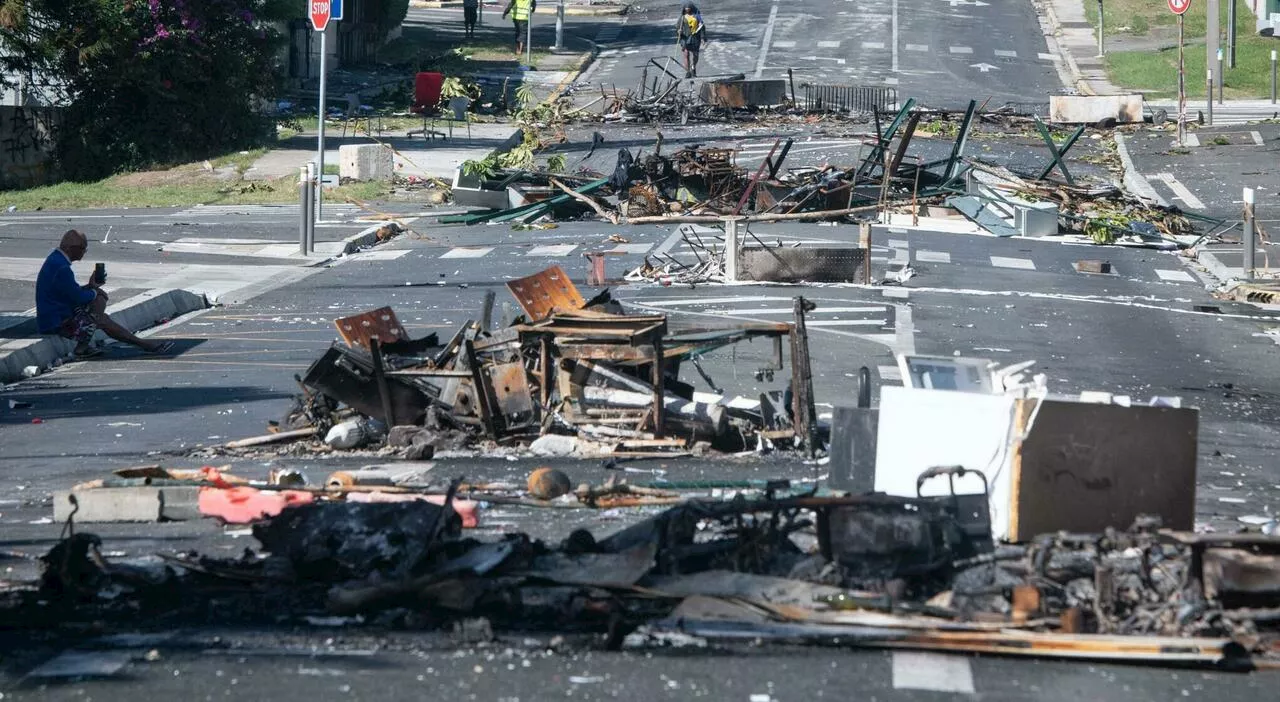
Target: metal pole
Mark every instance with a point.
(1208, 96)
(528, 40)
(320, 140)
(560, 26)
(1248, 238)
(1212, 37)
(1182, 85)
(1102, 49)
(1231, 33)
(1273, 76)
(304, 208)
(1222, 78)
(311, 207)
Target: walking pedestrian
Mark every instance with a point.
(691, 33)
(520, 11)
(470, 11)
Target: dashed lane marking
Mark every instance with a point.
(630, 249)
(868, 44)
(918, 47)
(1004, 53)
(1025, 264)
(933, 256)
(784, 45)
(899, 244)
(1181, 192)
(835, 45)
(961, 50)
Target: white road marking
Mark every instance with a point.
(890, 81)
(846, 322)
(889, 374)
(865, 45)
(899, 244)
(768, 37)
(1180, 191)
(1257, 138)
(917, 47)
(961, 50)
(834, 45)
(1191, 140)
(464, 252)
(896, 293)
(376, 255)
(933, 257)
(1175, 276)
(552, 250)
(1048, 57)
(1025, 264)
(631, 249)
(913, 670)
(673, 302)
(879, 309)
(784, 45)
(1006, 54)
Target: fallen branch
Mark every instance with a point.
(611, 216)
(272, 438)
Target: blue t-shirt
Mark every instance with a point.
(57, 293)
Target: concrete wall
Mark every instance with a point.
(26, 146)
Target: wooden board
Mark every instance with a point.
(381, 324)
(544, 292)
(1085, 467)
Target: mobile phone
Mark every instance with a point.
(100, 273)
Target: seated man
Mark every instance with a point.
(74, 311)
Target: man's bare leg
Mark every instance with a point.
(117, 332)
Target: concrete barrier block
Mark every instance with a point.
(127, 504)
(365, 162)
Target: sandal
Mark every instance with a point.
(164, 347)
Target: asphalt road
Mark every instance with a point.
(1136, 332)
(943, 52)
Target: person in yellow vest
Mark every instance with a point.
(520, 11)
(691, 33)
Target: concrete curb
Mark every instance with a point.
(574, 10)
(1134, 181)
(135, 314)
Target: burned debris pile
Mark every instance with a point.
(570, 377)
(783, 565)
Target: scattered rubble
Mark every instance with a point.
(570, 377)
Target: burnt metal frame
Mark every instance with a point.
(1057, 152)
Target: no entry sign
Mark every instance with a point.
(1178, 7)
(321, 11)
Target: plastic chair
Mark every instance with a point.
(460, 107)
(426, 100)
(355, 113)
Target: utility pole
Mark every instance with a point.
(560, 28)
(1231, 33)
(1102, 48)
(1182, 84)
(1211, 31)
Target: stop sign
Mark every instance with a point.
(1179, 6)
(322, 10)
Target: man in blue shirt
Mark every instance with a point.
(73, 311)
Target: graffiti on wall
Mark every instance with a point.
(26, 145)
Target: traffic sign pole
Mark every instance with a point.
(1179, 8)
(321, 11)
(320, 139)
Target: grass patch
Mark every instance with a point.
(1130, 15)
(1155, 73)
(182, 186)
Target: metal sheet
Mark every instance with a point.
(381, 324)
(815, 265)
(849, 98)
(744, 93)
(513, 406)
(543, 292)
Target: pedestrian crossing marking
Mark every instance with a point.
(552, 250)
(918, 47)
(869, 44)
(634, 249)
(465, 252)
(1175, 276)
(961, 50)
(1006, 54)
(933, 256)
(1025, 264)
(784, 45)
